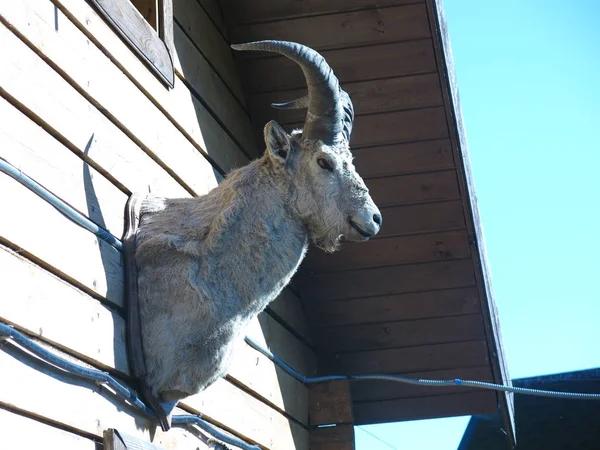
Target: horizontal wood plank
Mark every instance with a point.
(252, 419)
(182, 107)
(103, 83)
(200, 29)
(241, 11)
(417, 188)
(388, 280)
(415, 359)
(345, 29)
(421, 218)
(413, 249)
(404, 158)
(415, 305)
(365, 391)
(36, 302)
(350, 65)
(77, 253)
(75, 403)
(41, 157)
(374, 96)
(57, 107)
(400, 126)
(470, 403)
(399, 334)
(288, 308)
(213, 9)
(21, 433)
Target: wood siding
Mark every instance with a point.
(84, 117)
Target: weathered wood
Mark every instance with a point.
(103, 84)
(399, 334)
(22, 433)
(426, 408)
(241, 11)
(388, 280)
(347, 29)
(36, 301)
(180, 104)
(201, 30)
(97, 334)
(203, 80)
(414, 359)
(129, 22)
(403, 158)
(448, 81)
(350, 65)
(330, 403)
(149, 11)
(374, 96)
(90, 409)
(53, 104)
(288, 308)
(29, 148)
(339, 437)
(235, 410)
(416, 305)
(83, 258)
(363, 391)
(422, 218)
(392, 251)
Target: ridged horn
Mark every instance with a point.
(330, 113)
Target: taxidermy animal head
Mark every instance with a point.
(208, 265)
(330, 196)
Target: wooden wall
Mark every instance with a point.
(85, 118)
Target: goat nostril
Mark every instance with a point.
(377, 219)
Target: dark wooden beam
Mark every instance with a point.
(443, 55)
(330, 414)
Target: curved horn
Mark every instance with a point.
(330, 112)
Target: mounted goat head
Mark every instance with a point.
(208, 265)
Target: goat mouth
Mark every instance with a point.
(360, 231)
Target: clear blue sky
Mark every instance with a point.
(529, 79)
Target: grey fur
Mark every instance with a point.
(209, 265)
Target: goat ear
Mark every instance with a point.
(279, 143)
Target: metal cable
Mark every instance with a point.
(61, 206)
(103, 378)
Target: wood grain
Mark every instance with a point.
(345, 29)
(340, 437)
(426, 408)
(31, 149)
(350, 65)
(200, 29)
(240, 11)
(388, 280)
(397, 159)
(104, 85)
(140, 34)
(21, 433)
(421, 218)
(391, 251)
(330, 403)
(373, 96)
(405, 333)
(415, 359)
(417, 305)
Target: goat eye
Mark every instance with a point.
(324, 164)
